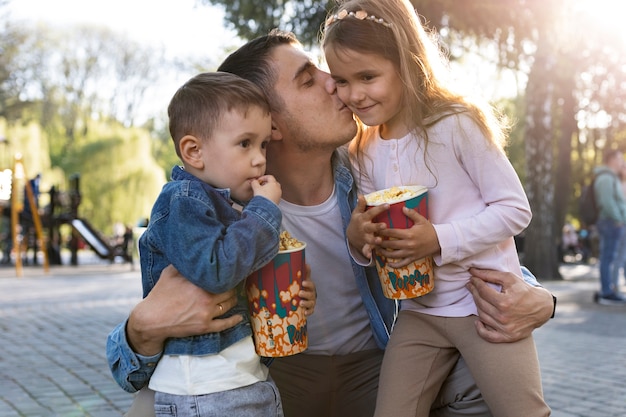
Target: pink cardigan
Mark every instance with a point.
(476, 203)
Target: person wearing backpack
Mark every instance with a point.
(611, 223)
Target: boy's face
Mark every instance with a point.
(235, 153)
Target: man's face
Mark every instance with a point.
(312, 116)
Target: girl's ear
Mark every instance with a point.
(191, 151)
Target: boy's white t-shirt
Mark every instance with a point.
(236, 366)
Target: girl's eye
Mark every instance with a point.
(264, 144)
(245, 143)
(340, 83)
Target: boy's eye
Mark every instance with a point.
(244, 143)
(264, 144)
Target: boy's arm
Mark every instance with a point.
(514, 312)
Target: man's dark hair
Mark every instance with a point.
(252, 61)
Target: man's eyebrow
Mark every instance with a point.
(303, 68)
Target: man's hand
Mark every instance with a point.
(177, 308)
(514, 312)
(308, 293)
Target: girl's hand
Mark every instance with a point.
(404, 246)
(362, 233)
(308, 293)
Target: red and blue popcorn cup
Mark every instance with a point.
(278, 321)
(417, 278)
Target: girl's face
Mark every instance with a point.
(371, 87)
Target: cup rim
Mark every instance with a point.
(418, 189)
(293, 249)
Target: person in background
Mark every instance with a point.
(620, 250)
(570, 244)
(611, 224)
(307, 155)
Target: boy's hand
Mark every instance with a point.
(267, 186)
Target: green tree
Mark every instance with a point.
(252, 18)
(545, 40)
(78, 93)
(576, 72)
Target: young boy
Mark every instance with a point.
(215, 222)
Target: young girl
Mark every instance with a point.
(418, 131)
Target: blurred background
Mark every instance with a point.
(84, 87)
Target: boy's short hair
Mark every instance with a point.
(198, 106)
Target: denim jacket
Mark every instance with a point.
(381, 310)
(194, 227)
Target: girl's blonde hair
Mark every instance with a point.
(392, 29)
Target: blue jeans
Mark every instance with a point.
(259, 399)
(619, 262)
(610, 236)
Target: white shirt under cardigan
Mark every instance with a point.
(476, 203)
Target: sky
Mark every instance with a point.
(180, 26)
(183, 27)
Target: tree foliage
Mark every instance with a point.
(573, 104)
(252, 18)
(68, 104)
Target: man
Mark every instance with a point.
(611, 224)
(338, 374)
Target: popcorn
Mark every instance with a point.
(392, 195)
(287, 242)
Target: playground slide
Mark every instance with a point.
(93, 238)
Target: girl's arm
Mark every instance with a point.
(480, 201)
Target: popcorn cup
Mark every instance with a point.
(278, 321)
(417, 278)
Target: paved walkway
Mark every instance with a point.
(54, 326)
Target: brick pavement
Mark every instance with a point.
(54, 327)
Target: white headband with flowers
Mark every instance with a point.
(359, 14)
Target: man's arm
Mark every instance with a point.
(514, 312)
(174, 308)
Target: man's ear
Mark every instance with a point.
(191, 151)
(276, 133)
